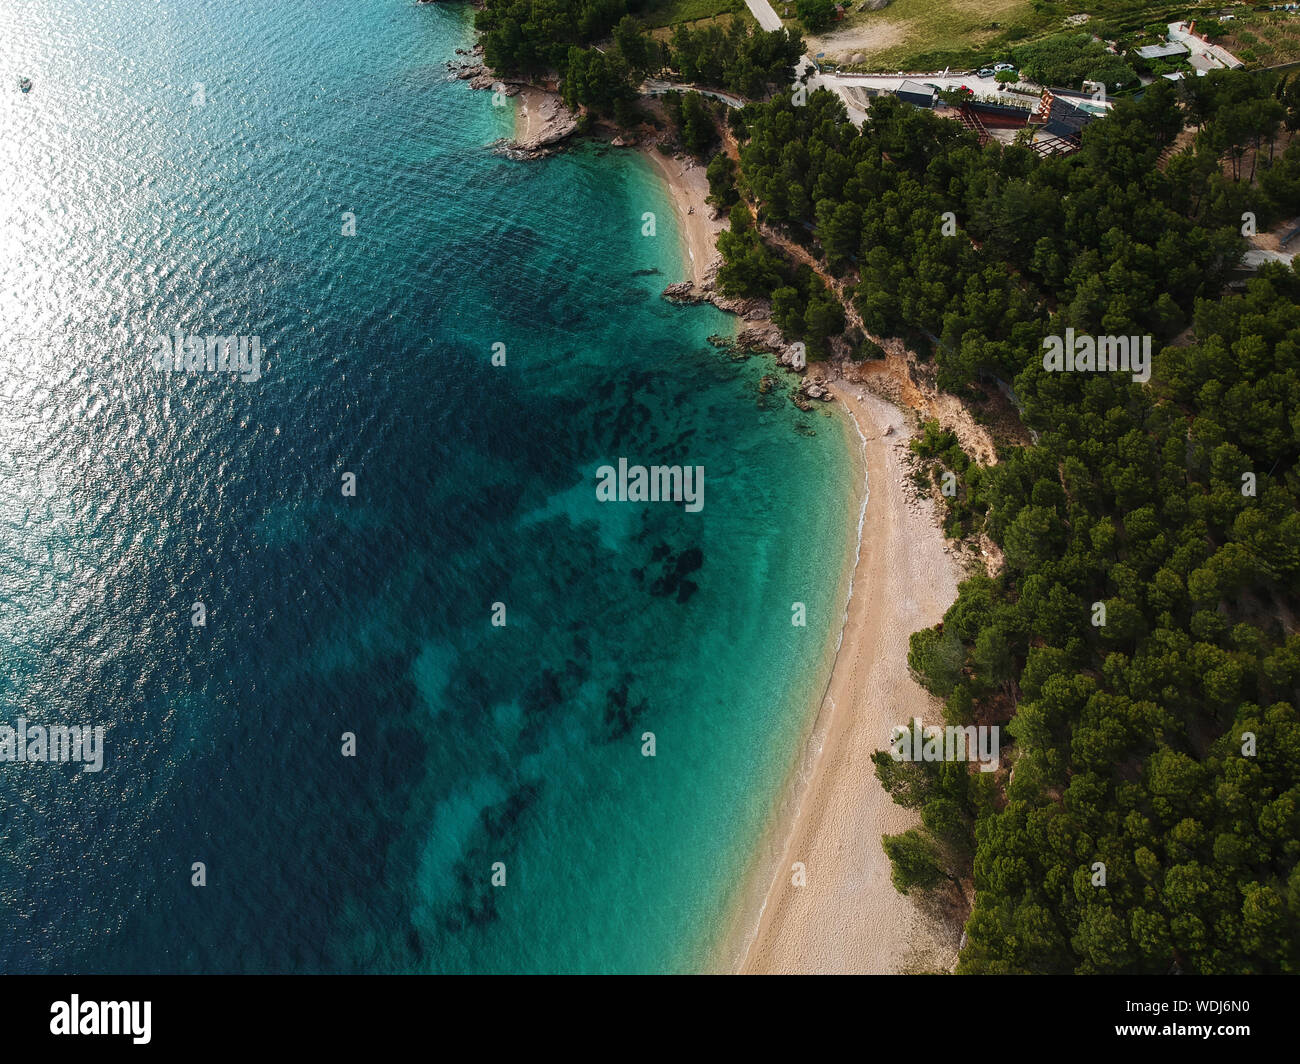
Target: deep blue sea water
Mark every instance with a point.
(188, 164)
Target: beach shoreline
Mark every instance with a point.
(767, 862)
(899, 576)
(848, 918)
(688, 188)
(528, 119)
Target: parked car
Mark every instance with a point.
(984, 72)
(999, 67)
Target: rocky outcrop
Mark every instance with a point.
(551, 123)
(764, 337)
(817, 388)
(684, 292)
(750, 309)
(762, 334)
(767, 337)
(548, 123)
(470, 66)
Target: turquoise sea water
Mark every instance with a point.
(188, 164)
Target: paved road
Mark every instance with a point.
(851, 89)
(657, 87)
(762, 10)
(979, 86)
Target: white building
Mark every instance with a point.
(1216, 58)
(1163, 51)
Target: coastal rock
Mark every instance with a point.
(749, 309)
(816, 388)
(759, 338)
(684, 292)
(786, 354)
(555, 122)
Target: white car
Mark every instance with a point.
(1003, 66)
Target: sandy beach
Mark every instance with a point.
(688, 186)
(529, 121)
(848, 918)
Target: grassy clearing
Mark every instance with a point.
(908, 28)
(925, 35)
(671, 12)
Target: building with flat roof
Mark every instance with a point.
(916, 94)
(1163, 51)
